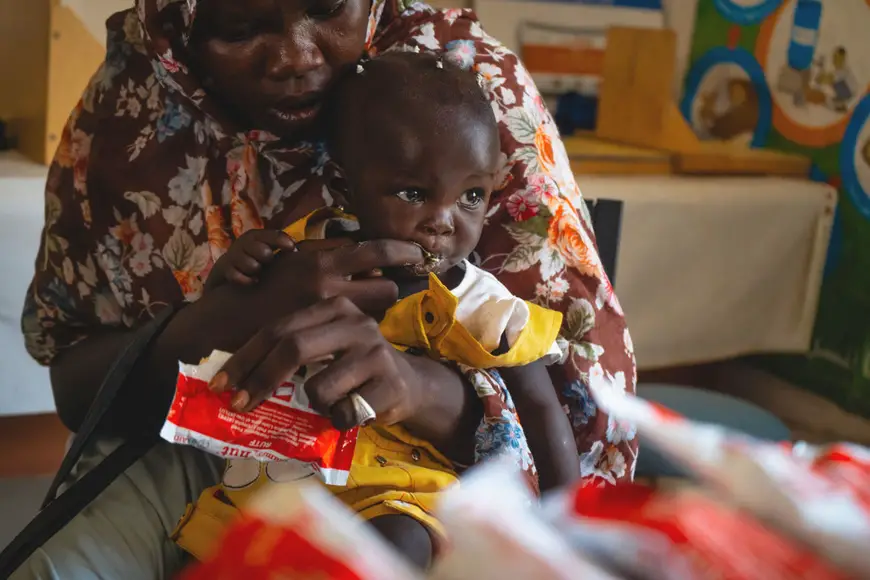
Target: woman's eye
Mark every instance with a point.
(239, 33)
(410, 195)
(326, 8)
(472, 198)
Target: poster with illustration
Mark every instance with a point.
(794, 75)
(562, 43)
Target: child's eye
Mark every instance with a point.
(410, 195)
(472, 198)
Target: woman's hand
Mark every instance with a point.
(428, 398)
(294, 280)
(247, 256)
(312, 305)
(364, 362)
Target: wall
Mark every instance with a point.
(93, 13)
(794, 75)
(24, 73)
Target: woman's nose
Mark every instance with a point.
(293, 55)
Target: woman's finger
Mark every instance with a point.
(377, 393)
(372, 255)
(322, 245)
(264, 253)
(381, 396)
(242, 362)
(236, 277)
(237, 369)
(371, 295)
(347, 373)
(302, 348)
(274, 240)
(246, 265)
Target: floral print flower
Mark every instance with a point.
(581, 406)
(603, 463)
(80, 153)
(503, 437)
(545, 148)
(175, 118)
(522, 206)
(620, 431)
(566, 235)
(541, 188)
(461, 53)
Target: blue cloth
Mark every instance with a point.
(575, 112)
(705, 407)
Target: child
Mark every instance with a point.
(419, 146)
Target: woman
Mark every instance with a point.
(172, 153)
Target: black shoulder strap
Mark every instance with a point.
(58, 511)
(115, 379)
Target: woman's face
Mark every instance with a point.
(272, 61)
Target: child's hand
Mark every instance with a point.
(246, 257)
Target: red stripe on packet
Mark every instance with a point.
(282, 428)
(265, 551)
(712, 539)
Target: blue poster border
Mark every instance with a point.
(746, 15)
(848, 148)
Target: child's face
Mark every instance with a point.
(426, 185)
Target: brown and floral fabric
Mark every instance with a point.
(151, 183)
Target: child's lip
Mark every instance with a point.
(433, 246)
(431, 262)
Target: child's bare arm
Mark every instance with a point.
(545, 423)
(246, 257)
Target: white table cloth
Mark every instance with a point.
(24, 386)
(710, 268)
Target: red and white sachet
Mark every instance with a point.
(300, 531)
(282, 428)
(678, 535)
(495, 532)
(813, 504)
(845, 463)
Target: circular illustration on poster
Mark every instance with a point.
(727, 98)
(746, 12)
(855, 158)
(815, 56)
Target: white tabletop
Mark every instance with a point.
(24, 386)
(711, 268)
